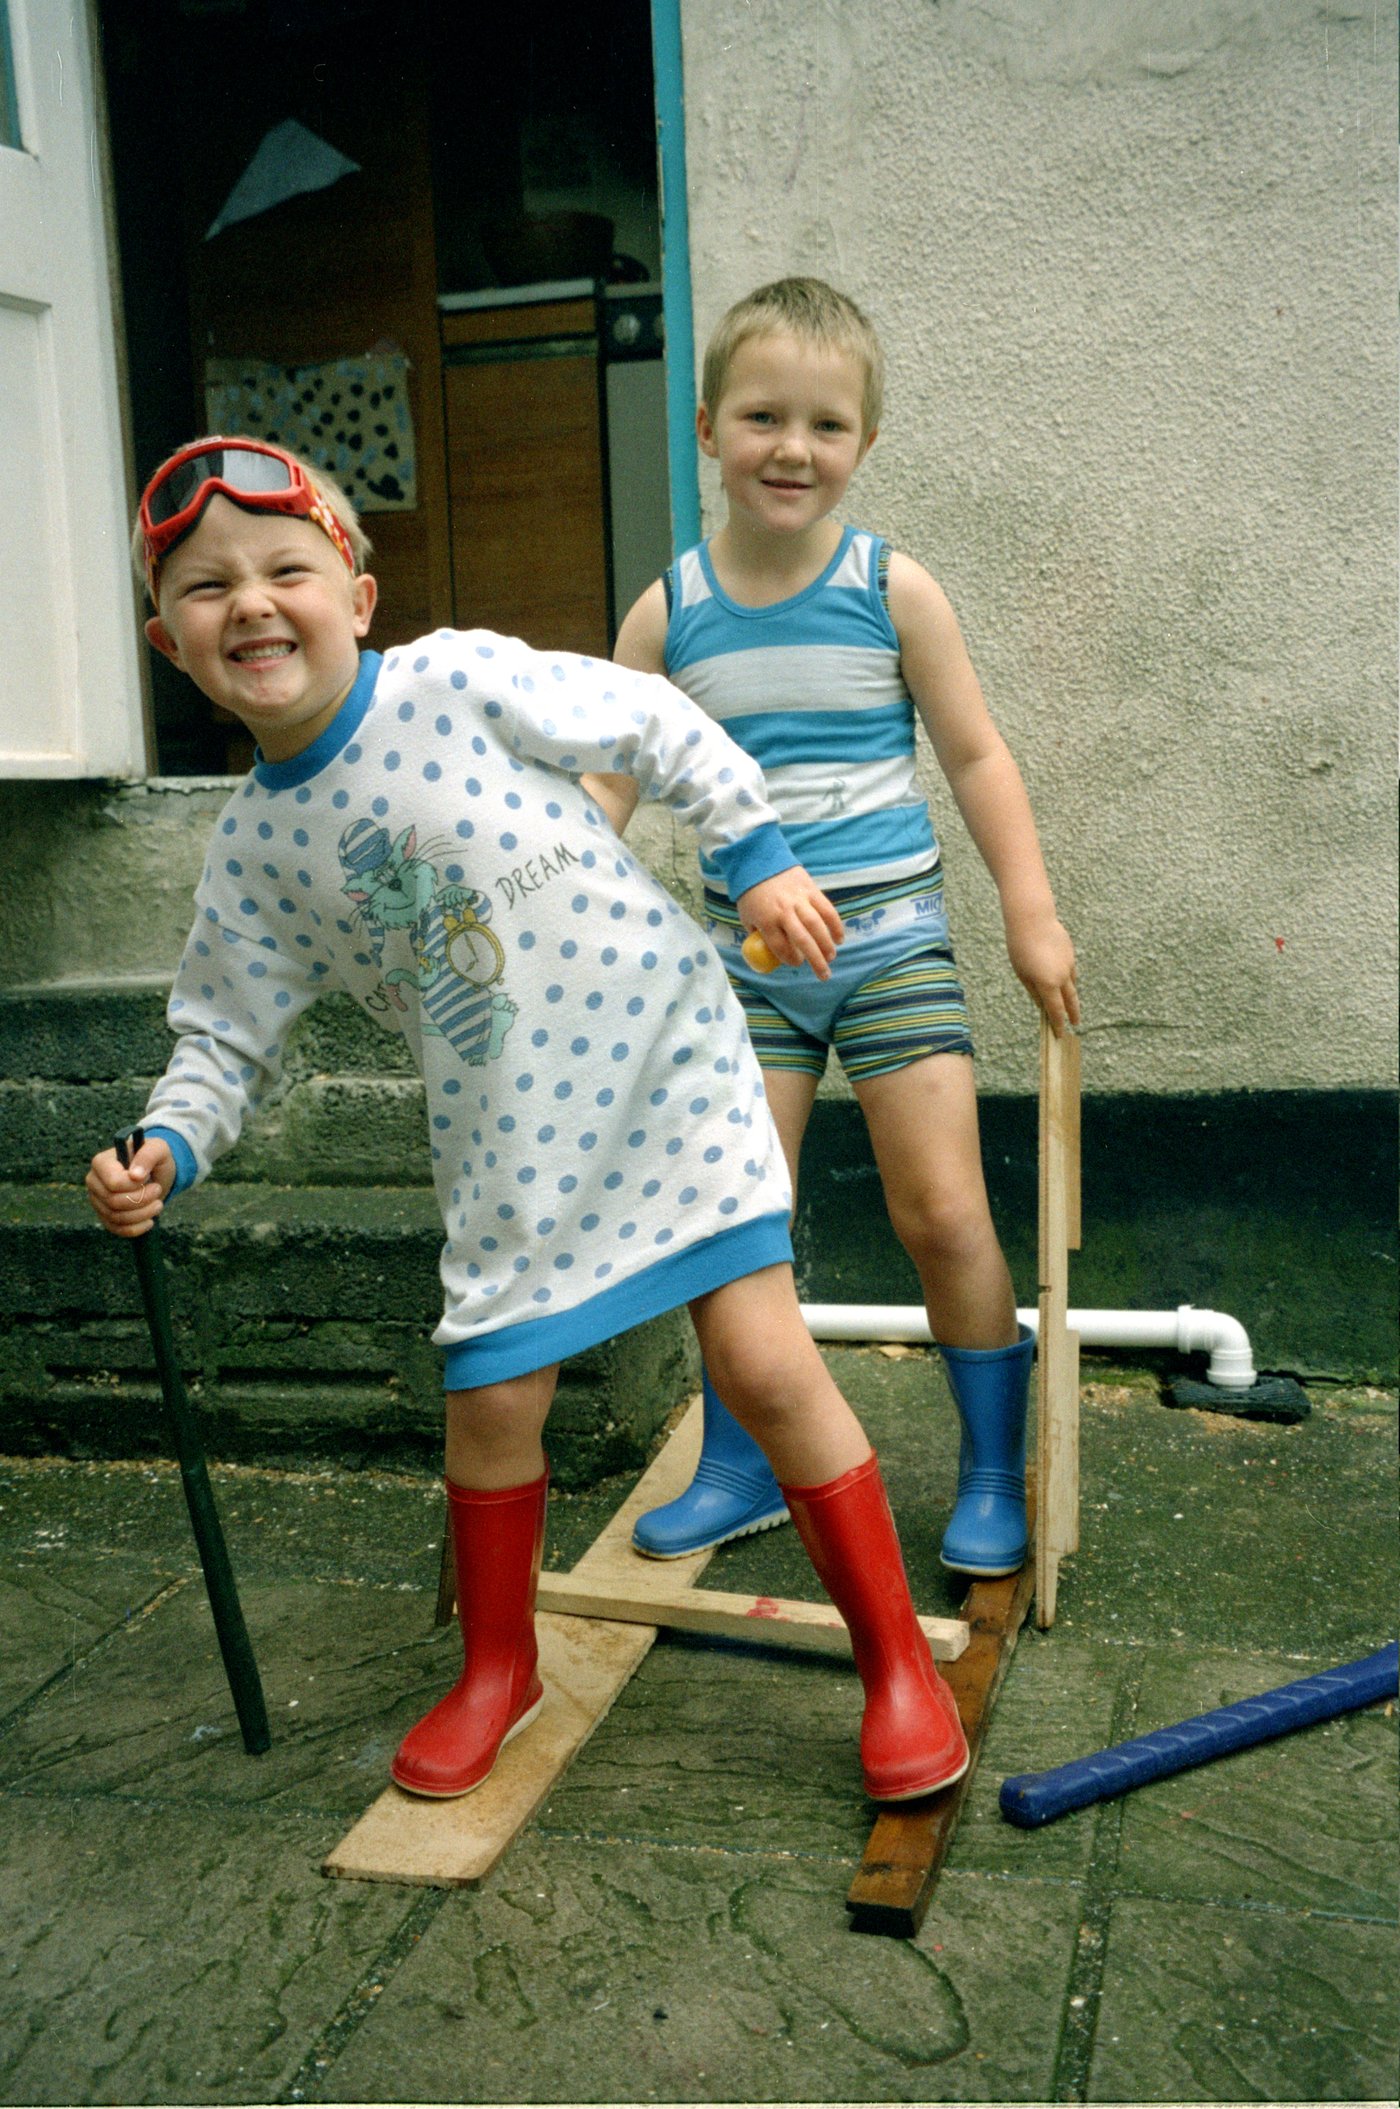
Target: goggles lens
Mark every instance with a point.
(239, 468)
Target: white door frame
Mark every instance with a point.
(70, 678)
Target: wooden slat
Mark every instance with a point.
(453, 1844)
(1070, 1053)
(817, 1629)
(1057, 1354)
(584, 1664)
(907, 1846)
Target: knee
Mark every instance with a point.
(491, 1416)
(942, 1229)
(765, 1383)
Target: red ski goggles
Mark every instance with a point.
(259, 477)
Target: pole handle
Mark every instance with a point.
(240, 1663)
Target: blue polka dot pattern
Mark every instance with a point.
(491, 920)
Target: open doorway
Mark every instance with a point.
(421, 244)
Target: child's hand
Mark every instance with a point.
(795, 920)
(1043, 955)
(128, 1198)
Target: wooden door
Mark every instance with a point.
(336, 272)
(525, 472)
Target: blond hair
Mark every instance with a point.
(321, 481)
(807, 308)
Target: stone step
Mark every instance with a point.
(303, 1318)
(78, 1058)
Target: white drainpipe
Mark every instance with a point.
(1185, 1330)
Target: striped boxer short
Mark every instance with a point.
(894, 997)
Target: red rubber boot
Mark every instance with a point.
(497, 1546)
(911, 1740)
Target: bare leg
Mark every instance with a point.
(494, 1431)
(778, 1388)
(791, 1095)
(767, 1370)
(923, 1124)
(923, 1128)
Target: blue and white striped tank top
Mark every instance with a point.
(812, 688)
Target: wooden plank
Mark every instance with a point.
(454, 1844)
(909, 1842)
(1070, 1057)
(1057, 1452)
(1057, 1353)
(584, 1664)
(817, 1629)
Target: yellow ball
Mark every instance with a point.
(758, 955)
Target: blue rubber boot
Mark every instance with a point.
(987, 1531)
(733, 1493)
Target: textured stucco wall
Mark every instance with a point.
(1134, 264)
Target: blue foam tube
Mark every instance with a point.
(1033, 1798)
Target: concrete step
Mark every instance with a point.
(78, 1058)
(303, 1318)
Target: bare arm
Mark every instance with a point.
(986, 784)
(641, 644)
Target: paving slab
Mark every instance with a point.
(595, 1973)
(53, 1611)
(1205, 1529)
(345, 1671)
(1058, 1703)
(1307, 1822)
(741, 1749)
(368, 1526)
(152, 1955)
(1205, 2004)
(672, 1927)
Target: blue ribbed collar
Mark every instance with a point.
(284, 776)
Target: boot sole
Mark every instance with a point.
(917, 1793)
(985, 1574)
(456, 1793)
(745, 1530)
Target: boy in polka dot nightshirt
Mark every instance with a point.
(418, 831)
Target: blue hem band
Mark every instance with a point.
(535, 1343)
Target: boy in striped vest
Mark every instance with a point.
(817, 648)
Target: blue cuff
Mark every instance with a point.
(760, 855)
(186, 1169)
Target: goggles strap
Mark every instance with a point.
(318, 511)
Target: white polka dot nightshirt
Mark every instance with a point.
(601, 1146)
